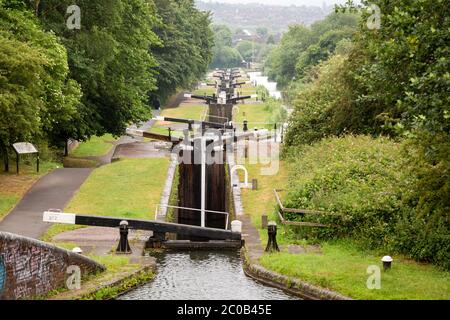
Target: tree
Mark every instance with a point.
(302, 48)
(262, 32)
(321, 50)
(222, 35)
(249, 49)
(281, 62)
(391, 81)
(37, 96)
(271, 39)
(400, 76)
(224, 55)
(110, 58)
(186, 49)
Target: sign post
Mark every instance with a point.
(25, 148)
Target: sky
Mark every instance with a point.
(283, 2)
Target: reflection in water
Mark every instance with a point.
(202, 276)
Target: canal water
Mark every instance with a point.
(202, 276)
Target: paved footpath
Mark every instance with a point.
(53, 191)
(56, 189)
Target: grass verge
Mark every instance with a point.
(95, 147)
(121, 276)
(184, 111)
(13, 187)
(342, 265)
(129, 188)
(205, 91)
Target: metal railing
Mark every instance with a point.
(192, 209)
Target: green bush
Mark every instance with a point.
(324, 106)
(368, 187)
(424, 228)
(277, 112)
(357, 179)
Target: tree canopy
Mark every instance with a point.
(37, 97)
(59, 82)
(304, 47)
(224, 54)
(392, 81)
(187, 45)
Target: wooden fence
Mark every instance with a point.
(282, 210)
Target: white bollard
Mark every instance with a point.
(77, 250)
(236, 226)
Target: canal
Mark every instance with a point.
(203, 276)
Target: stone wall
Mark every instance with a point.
(71, 145)
(30, 268)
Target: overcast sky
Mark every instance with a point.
(283, 2)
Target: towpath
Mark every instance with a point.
(52, 191)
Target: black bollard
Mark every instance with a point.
(272, 244)
(245, 129)
(387, 262)
(124, 245)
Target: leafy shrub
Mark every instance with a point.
(277, 112)
(323, 107)
(356, 179)
(423, 230)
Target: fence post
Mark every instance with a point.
(254, 184)
(264, 220)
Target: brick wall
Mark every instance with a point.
(31, 268)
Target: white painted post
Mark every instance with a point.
(203, 191)
(236, 226)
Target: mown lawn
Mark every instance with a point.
(262, 201)
(184, 111)
(13, 187)
(95, 147)
(256, 115)
(7, 202)
(205, 91)
(165, 131)
(247, 89)
(342, 266)
(129, 188)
